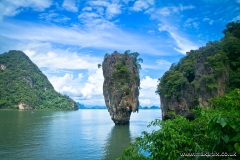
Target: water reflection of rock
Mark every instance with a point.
(118, 139)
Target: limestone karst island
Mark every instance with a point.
(121, 85)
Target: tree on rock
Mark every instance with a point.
(121, 85)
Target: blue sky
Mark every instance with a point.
(66, 39)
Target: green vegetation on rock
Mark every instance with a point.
(23, 83)
(215, 128)
(121, 74)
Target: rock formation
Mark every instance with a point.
(193, 81)
(121, 86)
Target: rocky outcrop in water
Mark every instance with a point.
(121, 85)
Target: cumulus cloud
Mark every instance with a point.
(105, 9)
(87, 92)
(98, 14)
(140, 5)
(11, 8)
(63, 59)
(70, 5)
(94, 84)
(147, 95)
(113, 10)
(67, 84)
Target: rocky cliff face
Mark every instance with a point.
(208, 72)
(121, 86)
(193, 81)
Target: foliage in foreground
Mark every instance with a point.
(215, 129)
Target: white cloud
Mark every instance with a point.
(94, 84)
(150, 31)
(88, 15)
(183, 45)
(206, 19)
(63, 59)
(87, 92)
(147, 95)
(140, 5)
(162, 27)
(182, 8)
(163, 64)
(216, 1)
(97, 36)
(55, 17)
(113, 10)
(67, 84)
(166, 11)
(13, 7)
(237, 17)
(105, 9)
(211, 22)
(85, 87)
(87, 9)
(195, 24)
(70, 5)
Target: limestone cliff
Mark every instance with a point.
(201, 75)
(194, 88)
(121, 86)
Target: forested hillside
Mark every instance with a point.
(205, 83)
(202, 74)
(24, 86)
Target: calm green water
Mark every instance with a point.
(82, 134)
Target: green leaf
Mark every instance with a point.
(233, 125)
(223, 122)
(237, 147)
(225, 138)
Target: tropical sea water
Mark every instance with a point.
(82, 134)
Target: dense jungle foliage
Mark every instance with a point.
(121, 74)
(222, 56)
(216, 128)
(22, 82)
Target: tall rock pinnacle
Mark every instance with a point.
(121, 85)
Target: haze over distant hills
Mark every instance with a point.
(82, 106)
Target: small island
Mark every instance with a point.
(121, 85)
